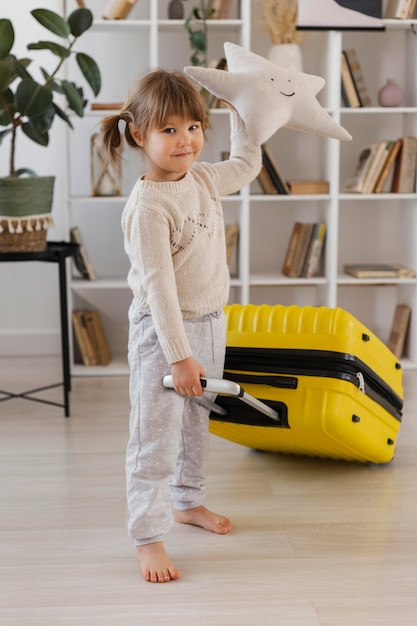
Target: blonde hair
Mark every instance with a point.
(150, 102)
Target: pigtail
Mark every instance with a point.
(111, 137)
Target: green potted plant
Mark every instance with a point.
(196, 27)
(30, 106)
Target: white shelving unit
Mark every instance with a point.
(371, 228)
(125, 50)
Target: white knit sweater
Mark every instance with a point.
(174, 237)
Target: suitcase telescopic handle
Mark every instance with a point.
(228, 388)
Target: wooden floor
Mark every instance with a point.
(315, 542)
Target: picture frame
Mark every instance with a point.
(340, 15)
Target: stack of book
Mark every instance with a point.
(91, 347)
(305, 248)
(272, 181)
(378, 270)
(385, 164)
(354, 89)
(270, 177)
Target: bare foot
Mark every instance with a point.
(200, 516)
(155, 564)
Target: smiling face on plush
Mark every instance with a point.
(267, 96)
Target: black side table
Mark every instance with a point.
(56, 252)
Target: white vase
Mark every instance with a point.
(287, 55)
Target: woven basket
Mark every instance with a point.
(28, 235)
(25, 205)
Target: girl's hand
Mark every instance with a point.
(186, 376)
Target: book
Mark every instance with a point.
(411, 9)
(356, 182)
(118, 9)
(308, 186)
(224, 9)
(97, 338)
(378, 270)
(357, 75)
(298, 246)
(399, 328)
(85, 351)
(315, 250)
(388, 166)
(350, 94)
(232, 236)
(273, 171)
(404, 178)
(302, 249)
(376, 166)
(265, 181)
(106, 106)
(291, 249)
(399, 9)
(81, 259)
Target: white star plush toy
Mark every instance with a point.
(267, 96)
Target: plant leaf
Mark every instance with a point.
(55, 48)
(7, 101)
(5, 75)
(24, 170)
(42, 123)
(52, 22)
(19, 66)
(198, 40)
(32, 99)
(79, 21)
(62, 115)
(90, 70)
(74, 99)
(6, 37)
(29, 131)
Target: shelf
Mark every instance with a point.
(358, 225)
(117, 367)
(345, 280)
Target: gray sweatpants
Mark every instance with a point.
(168, 443)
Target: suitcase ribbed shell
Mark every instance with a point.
(329, 415)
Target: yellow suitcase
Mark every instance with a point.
(336, 388)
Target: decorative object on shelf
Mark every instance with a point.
(30, 106)
(118, 9)
(287, 55)
(279, 18)
(196, 27)
(330, 14)
(391, 94)
(176, 10)
(259, 91)
(106, 180)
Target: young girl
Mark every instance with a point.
(174, 236)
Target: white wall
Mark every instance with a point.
(29, 305)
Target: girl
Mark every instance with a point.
(174, 237)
